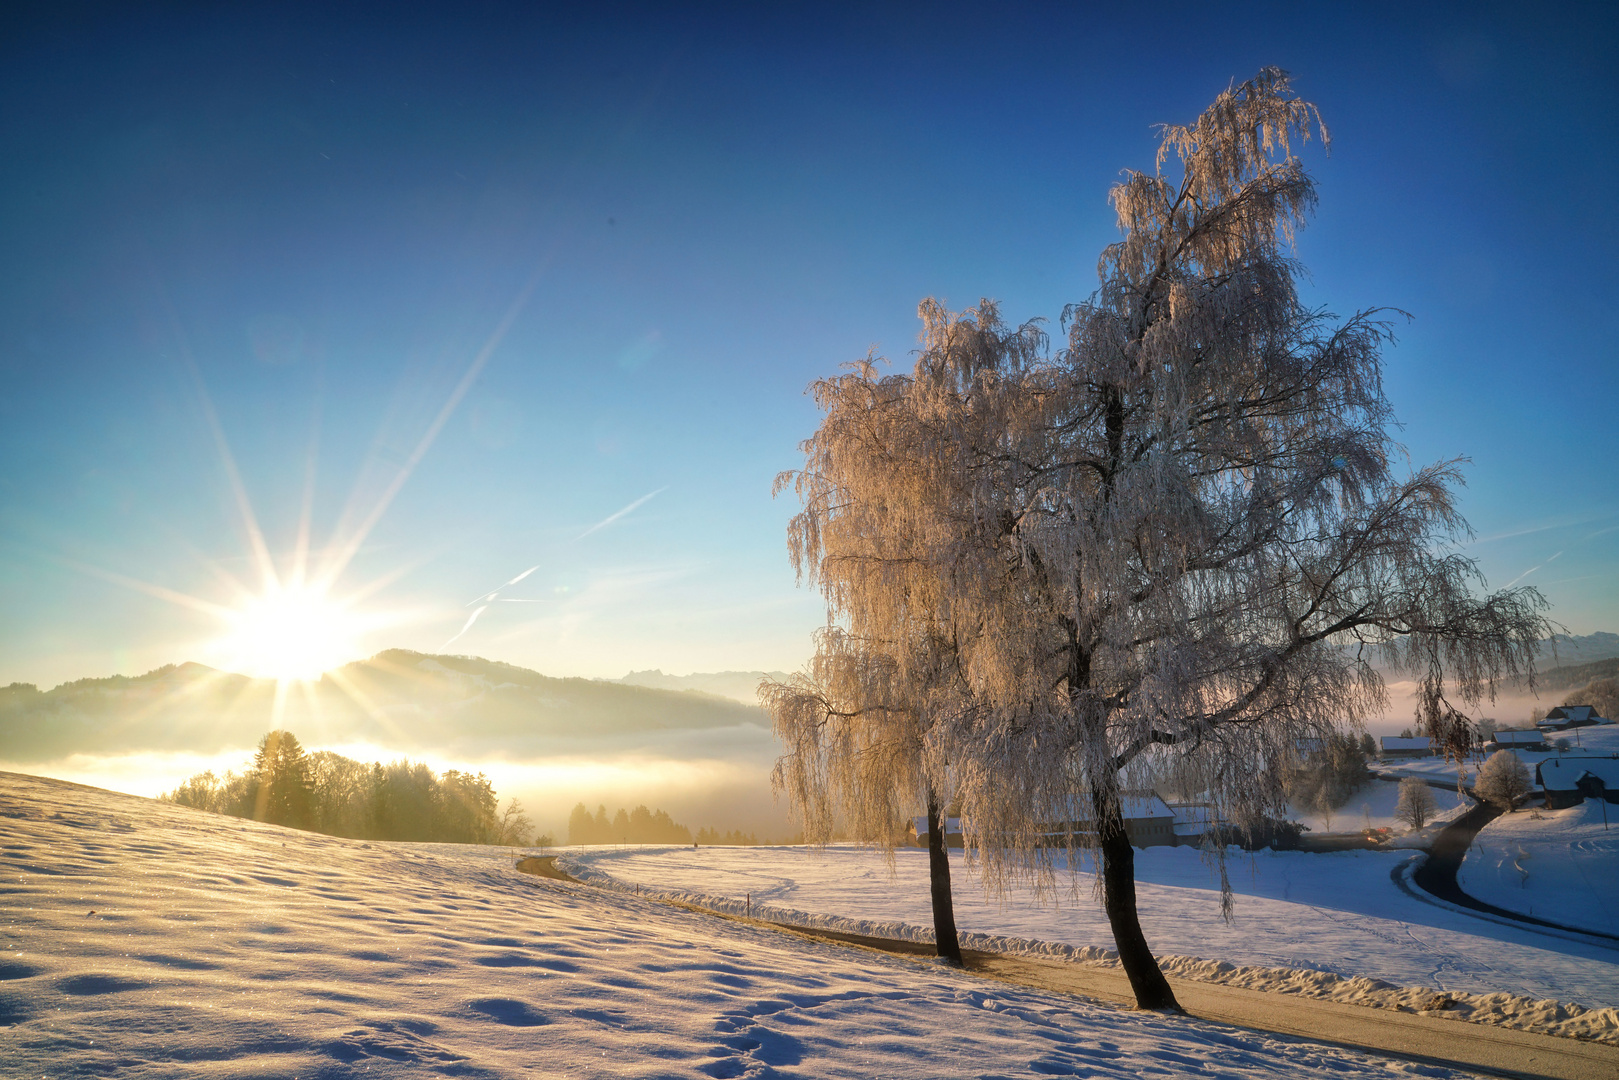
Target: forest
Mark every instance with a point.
(329, 793)
(643, 826)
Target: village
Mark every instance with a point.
(1571, 755)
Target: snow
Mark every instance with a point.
(1563, 773)
(1561, 865)
(1600, 740)
(1327, 925)
(143, 939)
(1372, 807)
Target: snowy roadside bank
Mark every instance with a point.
(1498, 1007)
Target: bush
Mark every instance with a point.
(1503, 780)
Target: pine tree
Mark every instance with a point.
(280, 781)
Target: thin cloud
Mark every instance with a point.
(1563, 523)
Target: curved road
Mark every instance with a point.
(1437, 874)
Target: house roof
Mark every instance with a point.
(951, 825)
(1135, 808)
(1572, 716)
(1394, 742)
(1564, 772)
(1519, 738)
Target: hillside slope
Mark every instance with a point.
(150, 940)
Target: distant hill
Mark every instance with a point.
(404, 700)
(740, 686)
(1577, 675)
(1566, 651)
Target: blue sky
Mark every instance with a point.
(309, 226)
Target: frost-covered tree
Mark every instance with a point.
(1503, 779)
(1172, 548)
(514, 829)
(1415, 805)
(854, 725)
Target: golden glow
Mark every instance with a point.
(290, 632)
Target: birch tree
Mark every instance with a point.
(1172, 547)
(1415, 805)
(1503, 779)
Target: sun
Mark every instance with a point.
(290, 633)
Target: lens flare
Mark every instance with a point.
(290, 632)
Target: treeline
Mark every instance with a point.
(643, 826)
(329, 793)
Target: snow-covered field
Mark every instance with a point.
(1561, 865)
(1372, 807)
(145, 940)
(1340, 913)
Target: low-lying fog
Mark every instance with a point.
(693, 746)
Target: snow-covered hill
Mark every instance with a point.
(143, 939)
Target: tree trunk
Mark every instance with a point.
(1119, 898)
(944, 910)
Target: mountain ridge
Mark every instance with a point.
(405, 700)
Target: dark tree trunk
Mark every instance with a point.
(944, 909)
(1119, 898)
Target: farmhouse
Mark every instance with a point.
(1532, 741)
(1148, 821)
(1392, 746)
(1571, 716)
(1569, 779)
(952, 831)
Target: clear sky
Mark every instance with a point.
(466, 286)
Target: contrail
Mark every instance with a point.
(472, 619)
(490, 595)
(493, 595)
(610, 518)
(1529, 571)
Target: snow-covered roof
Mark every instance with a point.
(1133, 807)
(1394, 742)
(1519, 738)
(951, 825)
(1564, 772)
(1565, 716)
